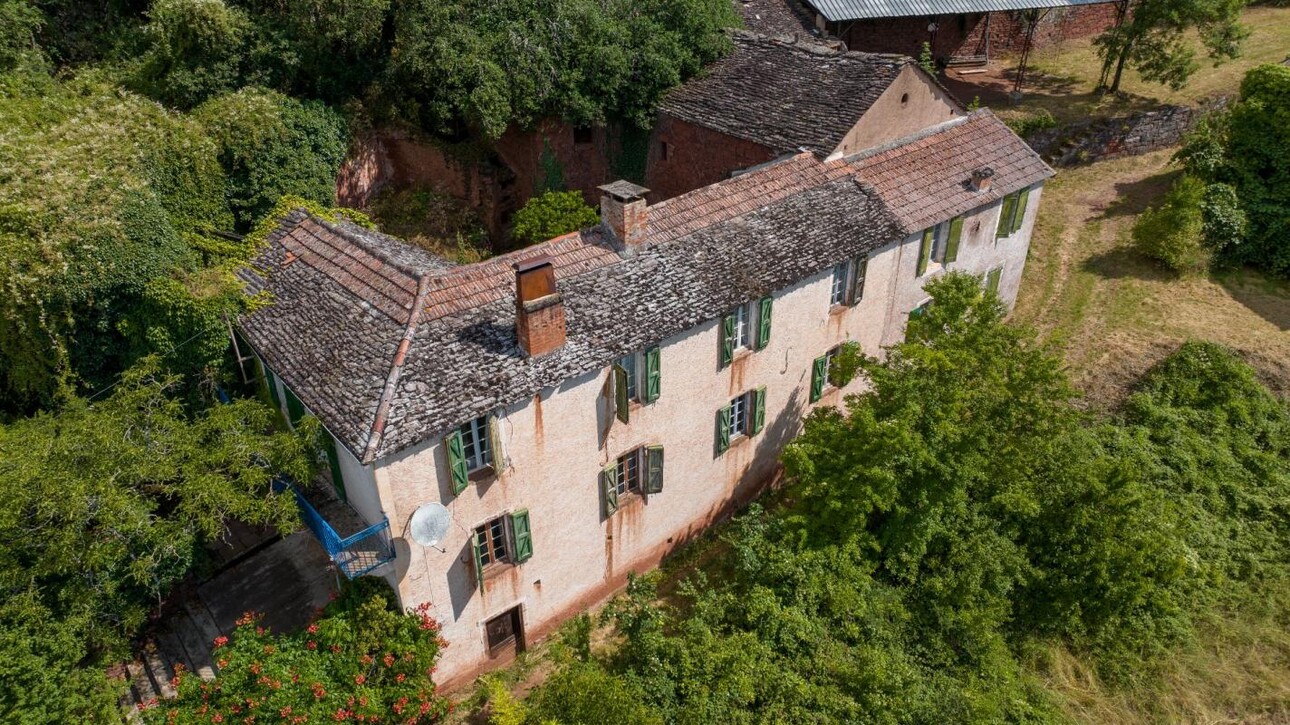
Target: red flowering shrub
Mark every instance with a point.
(374, 665)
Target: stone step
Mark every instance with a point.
(197, 647)
(159, 672)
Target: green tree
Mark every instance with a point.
(1152, 39)
(197, 50)
(552, 214)
(105, 506)
(362, 661)
(1174, 232)
(273, 146)
(19, 24)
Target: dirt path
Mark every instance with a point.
(1115, 313)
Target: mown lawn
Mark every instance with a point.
(1062, 79)
(1115, 313)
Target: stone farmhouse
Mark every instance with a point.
(585, 405)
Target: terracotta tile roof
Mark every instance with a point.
(785, 95)
(390, 350)
(925, 179)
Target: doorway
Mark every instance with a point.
(505, 634)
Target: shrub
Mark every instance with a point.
(552, 214)
(362, 660)
(1174, 232)
(1031, 123)
(1225, 222)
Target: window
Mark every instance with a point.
(476, 448)
(857, 282)
(582, 134)
(507, 539)
(744, 416)
(738, 417)
(664, 150)
(491, 546)
(627, 473)
(838, 288)
(1013, 213)
(992, 279)
(821, 380)
(740, 338)
(940, 244)
(637, 471)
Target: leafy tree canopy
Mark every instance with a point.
(105, 506)
(552, 214)
(1152, 39)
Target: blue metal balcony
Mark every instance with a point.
(356, 554)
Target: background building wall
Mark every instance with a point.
(890, 117)
(696, 157)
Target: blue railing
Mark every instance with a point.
(355, 555)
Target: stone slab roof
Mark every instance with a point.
(388, 352)
(785, 95)
(924, 179)
(776, 17)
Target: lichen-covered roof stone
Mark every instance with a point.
(785, 95)
(346, 302)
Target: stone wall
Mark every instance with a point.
(1110, 138)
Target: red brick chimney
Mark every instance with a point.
(539, 310)
(622, 210)
(981, 178)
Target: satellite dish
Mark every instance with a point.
(430, 524)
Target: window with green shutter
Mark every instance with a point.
(653, 374)
(723, 430)
(727, 339)
(622, 401)
(1007, 216)
(819, 375)
(458, 470)
(992, 279)
(333, 462)
(653, 469)
(925, 251)
(759, 410)
(295, 409)
(609, 489)
(952, 240)
(763, 321)
(1019, 210)
(478, 547)
(522, 536)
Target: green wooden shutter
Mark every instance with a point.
(654, 469)
(653, 374)
(609, 487)
(1005, 216)
(295, 409)
(622, 404)
(333, 460)
(952, 243)
(522, 535)
(992, 279)
(857, 282)
(1019, 213)
(759, 410)
(723, 430)
(925, 251)
(763, 321)
(456, 452)
(727, 340)
(819, 371)
(477, 547)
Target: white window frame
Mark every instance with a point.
(742, 337)
(477, 444)
(492, 557)
(629, 472)
(838, 284)
(631, 364)
(739, 416)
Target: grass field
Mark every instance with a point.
(1062, 79)
(1115, 313)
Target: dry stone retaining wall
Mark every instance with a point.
(1109, 138)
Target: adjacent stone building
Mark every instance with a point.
(586, 405)
(775, 97)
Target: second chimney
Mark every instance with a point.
(622, 210)
(539, 310)
(981, 178)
